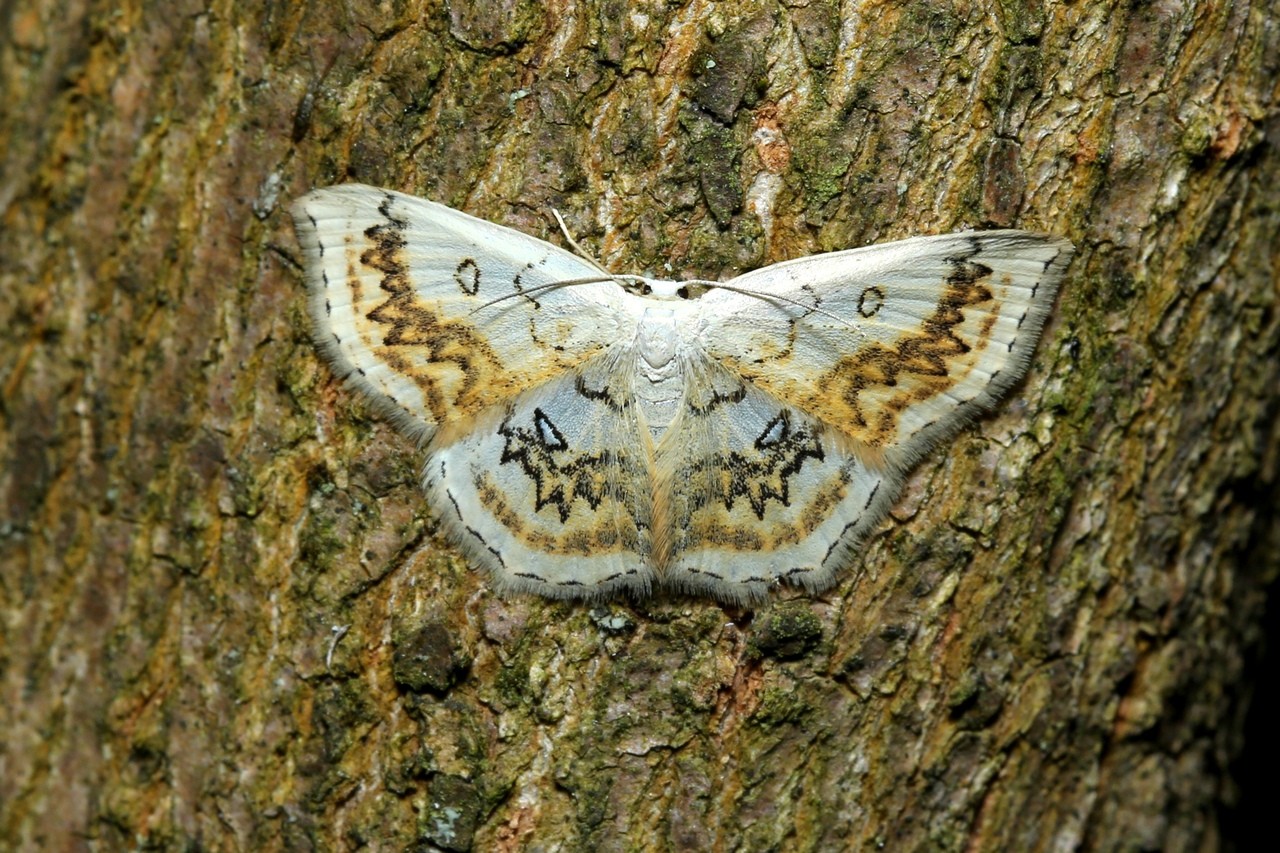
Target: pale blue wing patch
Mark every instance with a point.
(553, 494)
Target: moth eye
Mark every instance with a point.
(683, 292)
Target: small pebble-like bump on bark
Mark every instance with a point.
(790, 631)
(428, 659)
(452, 813)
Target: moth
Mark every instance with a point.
(587, 433)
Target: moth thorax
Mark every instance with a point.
(659, 383)
(657, 337)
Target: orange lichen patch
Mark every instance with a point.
(1230, 136)
(1090, 141)
(771, 144)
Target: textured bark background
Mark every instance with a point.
(227, 623)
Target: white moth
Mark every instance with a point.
(588, 433)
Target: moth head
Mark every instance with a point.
(653, 288)
(657, 288)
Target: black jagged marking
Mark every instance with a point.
(764, 440)
(1047, 266)
(467, 276)
(755, 579)
(760, 480)
(494, 551)
(558, 480)
(456, 509)
(599, 395)
(611, 577)
(408, 321)
(516, 283)
(871, 497)
(530, 576)
(877, 295)
(839, 539)
(544, 423)
(969, 273)
(808, 310)
(385, 210)
(965, 270)
(328, 309)
(975, 248)
(570, 583)
(929, 350)
(384, 255)
(319, 243)
(845, 530)
(737, 395)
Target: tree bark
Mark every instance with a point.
(227, 623)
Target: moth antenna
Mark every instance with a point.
(564, 229)
(775, 297)
(543, 288)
